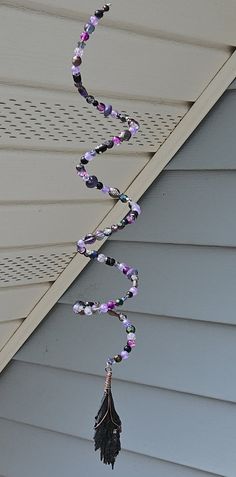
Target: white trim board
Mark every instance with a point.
(144, 179)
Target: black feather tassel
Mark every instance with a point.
(107, 426)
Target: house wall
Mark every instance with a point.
(176, 394)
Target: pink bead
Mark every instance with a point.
(130, 219)
(131, 343)
(116, 140)
(111, 304)
(84, 36)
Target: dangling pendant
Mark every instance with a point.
(107, 425)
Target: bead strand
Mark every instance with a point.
(91, 181)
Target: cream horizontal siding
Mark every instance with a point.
(56, 171)
(184, 21)
(43, 59)
(17, 301)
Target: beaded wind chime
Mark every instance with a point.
(107, 422)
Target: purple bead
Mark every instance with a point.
(94, 20)
(126, 323)
(116, 140)
(80, 244)
(108, 110)
(89, 239)
(99, 235)
(130, 272)
(124, 354)
(133, 131)
(84, 36)
(81, 45)
(75, 70)
(114, 114)
(103, 308)
(134, 290)
(110, 361)
(126, 269)
(101, 107)
(111, 304)
(105, 189)
(90, 155)
(121, 266)
(135, 207)
(89, 28)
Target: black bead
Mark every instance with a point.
(101, 148)
(84, 161)
(90, 99)
(110, 261)
(94, 254)
(135, 213)
(99, 185)
(129, 294)
(130, 329)
(128, 348)
(82, 90)
(95, 102)
(121, 226)
(124, 221)
(77, 79)
(98, 13)
(109, 144)
(80, 168)
(125, 135)
(90, 303)
(91, 182)
(106, 8)
(119, 301)
(118, 358)
(121, 118)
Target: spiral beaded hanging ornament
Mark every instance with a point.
(107, 422)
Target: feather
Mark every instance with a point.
(107, 427)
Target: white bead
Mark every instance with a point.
(88, 310)
(101, 258)
(131, 336)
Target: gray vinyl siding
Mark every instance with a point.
(176, 395)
